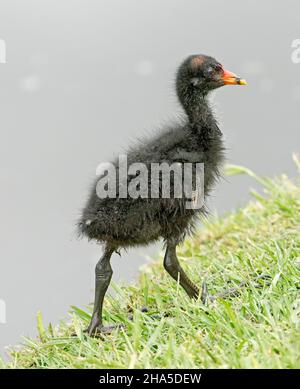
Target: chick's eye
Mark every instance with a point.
(209, 71)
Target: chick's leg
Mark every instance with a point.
(103, 274)
(172, 266)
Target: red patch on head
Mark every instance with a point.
(197, 61)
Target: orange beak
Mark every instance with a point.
(230, 78)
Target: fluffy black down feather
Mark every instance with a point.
(125, 222)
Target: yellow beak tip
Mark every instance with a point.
(243, 82)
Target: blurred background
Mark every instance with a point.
(84, 78)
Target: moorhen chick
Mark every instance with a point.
(123, 221)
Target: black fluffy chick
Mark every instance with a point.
(124, 222)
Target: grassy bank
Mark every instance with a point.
(258, 328)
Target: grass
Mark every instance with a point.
(260, 328)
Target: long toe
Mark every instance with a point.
(154, 316)
(99, 330)
(204, 293)
(236, 291)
